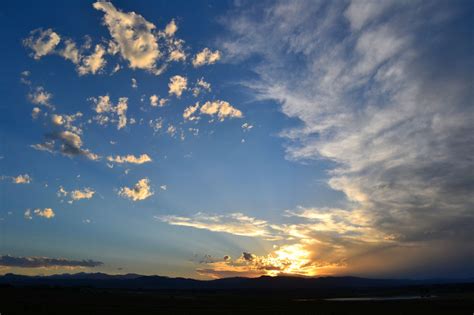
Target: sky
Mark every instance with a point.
(212, 139)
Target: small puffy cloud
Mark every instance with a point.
(47, 146)
(171, 130)
(144, 158)
(62, 192)
(222, 108)
(35, 112)
(171, 28)
(116, 69)
(134, 83)
(205, 85)
(45, 262)
(139, 191)
(25, 77)
(121, 109)
(156, 124)
(74, 195)
(155, 101)
(177, 85)
(248, 256)
(67, 121)
(93, 63)
(87, 193)
(194, 131)
(200, 86)
(107, 112)
(175, 48)
(22, 179)
(46, 42)
(177, 55)
(206, 57)
(163, 187)
(42, 42)
(70, 52)
(71, 142)
(28, 215)
(40, 96)
(47, 213)
(70, 145)
(57, 120)
(287, 259)
(132, 36)
(246, 127)
(188, 113)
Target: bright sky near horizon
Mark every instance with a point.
(211, 139)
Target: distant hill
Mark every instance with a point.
(135, 281)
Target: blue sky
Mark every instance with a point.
(321, 138)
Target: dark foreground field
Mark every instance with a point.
(50, 300)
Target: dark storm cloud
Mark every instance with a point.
(38, 262)
(247, 256)
(70, 144)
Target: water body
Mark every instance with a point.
(376, 298)
(369, 298)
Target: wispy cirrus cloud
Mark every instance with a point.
(377, 101)
(293, 259)
(233, 223)
(308, 241)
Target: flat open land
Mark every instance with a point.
(50, 300)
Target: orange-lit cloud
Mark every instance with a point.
(144, 158)
(313, 242)
(140, 191)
